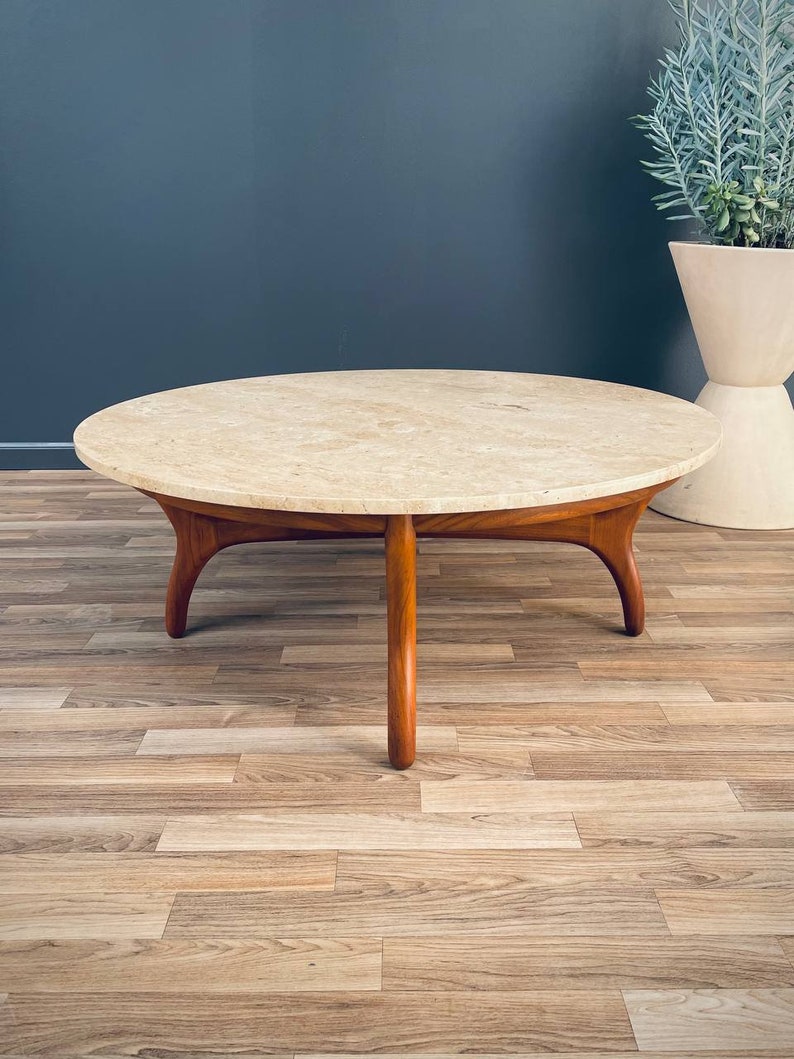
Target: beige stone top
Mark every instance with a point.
(398, 442)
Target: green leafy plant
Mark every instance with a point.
(722, 125)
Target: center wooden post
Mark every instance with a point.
(401, 610)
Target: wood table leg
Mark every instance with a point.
(611, 535)
(199, 536)
(605, 525)
(196, 543)
(203, 529)
(401, 608)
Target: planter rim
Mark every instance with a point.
(732, 249)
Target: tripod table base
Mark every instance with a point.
(605, 525)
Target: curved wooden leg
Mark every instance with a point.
(608, 533)
(610, 538)
(401, 610)
(197, 540)
(202, 530)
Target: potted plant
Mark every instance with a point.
(722, 129)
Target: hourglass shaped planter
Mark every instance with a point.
(741, 303)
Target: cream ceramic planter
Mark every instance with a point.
(741, 303)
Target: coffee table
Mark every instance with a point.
(400, 454)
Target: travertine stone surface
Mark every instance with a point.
(398, 442)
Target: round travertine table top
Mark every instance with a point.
(398, 442)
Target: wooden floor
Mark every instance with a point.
(205, 854)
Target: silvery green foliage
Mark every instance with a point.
(722, 124)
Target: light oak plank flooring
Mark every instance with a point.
(204, 852)
(148, 717)
(764, 794)
(766, 1054)
(686, 765)
(475, 909)
(463, 962)
(373, 794)
(133, 872)
(708, 1019)
(368, 873)
(737, 911)
(273, 965)
(43, 832)
(743, 829)
(344, 738)
(508, 796)
(407, 831)
(347, 766)
(84, 915)
(268, 1023)
(32, 698)
(727, 713)
(112, 769)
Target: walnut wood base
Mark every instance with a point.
(604, 525)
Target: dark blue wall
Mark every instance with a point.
(200, 189)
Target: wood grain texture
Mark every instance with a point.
(743, 829)
(249, 740)
(710, 1019)
(642, 738)
(281, 1023)
(381, 873)
(357, 919)
(506, 796)
(683, 765)
(494, 712)
(132, 872)
(738, 911)
(370, 793)
(341, 766)
(475, 909)
(731, 713)
(408, 831)
(777, 1054)
(765, 794)
(188, 966)
(49, 833)
(112, 770)
(33, 698)
(400, 549)
(56, 915)
(443, 653)
(463, 962)
(70, 744)
(146, 717)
